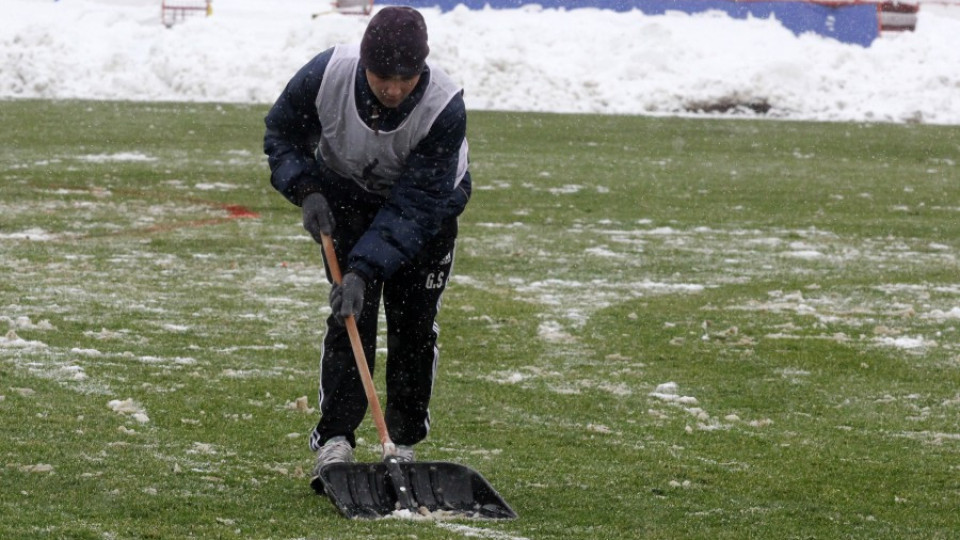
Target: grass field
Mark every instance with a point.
(658, 328)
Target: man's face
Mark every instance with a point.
(391, 91)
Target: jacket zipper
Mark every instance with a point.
(375, 120)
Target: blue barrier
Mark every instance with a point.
(852, 23)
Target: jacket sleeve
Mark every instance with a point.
(293, 131)
(423, 197)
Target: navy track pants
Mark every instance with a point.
(411, 301)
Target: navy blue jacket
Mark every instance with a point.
(422, 199)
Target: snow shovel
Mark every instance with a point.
(373, 490)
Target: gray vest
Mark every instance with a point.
(349, 147)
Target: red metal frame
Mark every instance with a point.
(893, 16)
(362, 7)
(177, 10)
(902, 16)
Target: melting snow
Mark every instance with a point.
(129, 407)
(119, 156)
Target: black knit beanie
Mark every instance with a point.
(395, 43)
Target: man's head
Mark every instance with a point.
(395, 43)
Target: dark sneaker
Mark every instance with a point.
(335, 450)
(405, 454)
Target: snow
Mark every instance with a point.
(25, 323)
(466, 531)
(33, 234)
(12, 341)
(119, 156)
(527, 59)
(953, 313)
(37, 468)
(129, 407)
(668, 391)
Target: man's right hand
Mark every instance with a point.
(317, 218)
(346, 299)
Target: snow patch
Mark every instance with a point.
(669, 391)
(33, 234)
(906, 342)
(940, 315)
(129, 407)
(119, 156)
(36, 468)
(475, 532)
(25, 323)
(12, 341)
(214, 186)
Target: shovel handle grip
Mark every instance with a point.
(358, 354)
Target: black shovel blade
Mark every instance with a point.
(439, 489)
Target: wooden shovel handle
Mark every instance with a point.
(389, 448)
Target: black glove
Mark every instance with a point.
(347, 298)
(317, 218)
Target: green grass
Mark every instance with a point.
(798, 282)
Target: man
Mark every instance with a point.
(370, 141)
